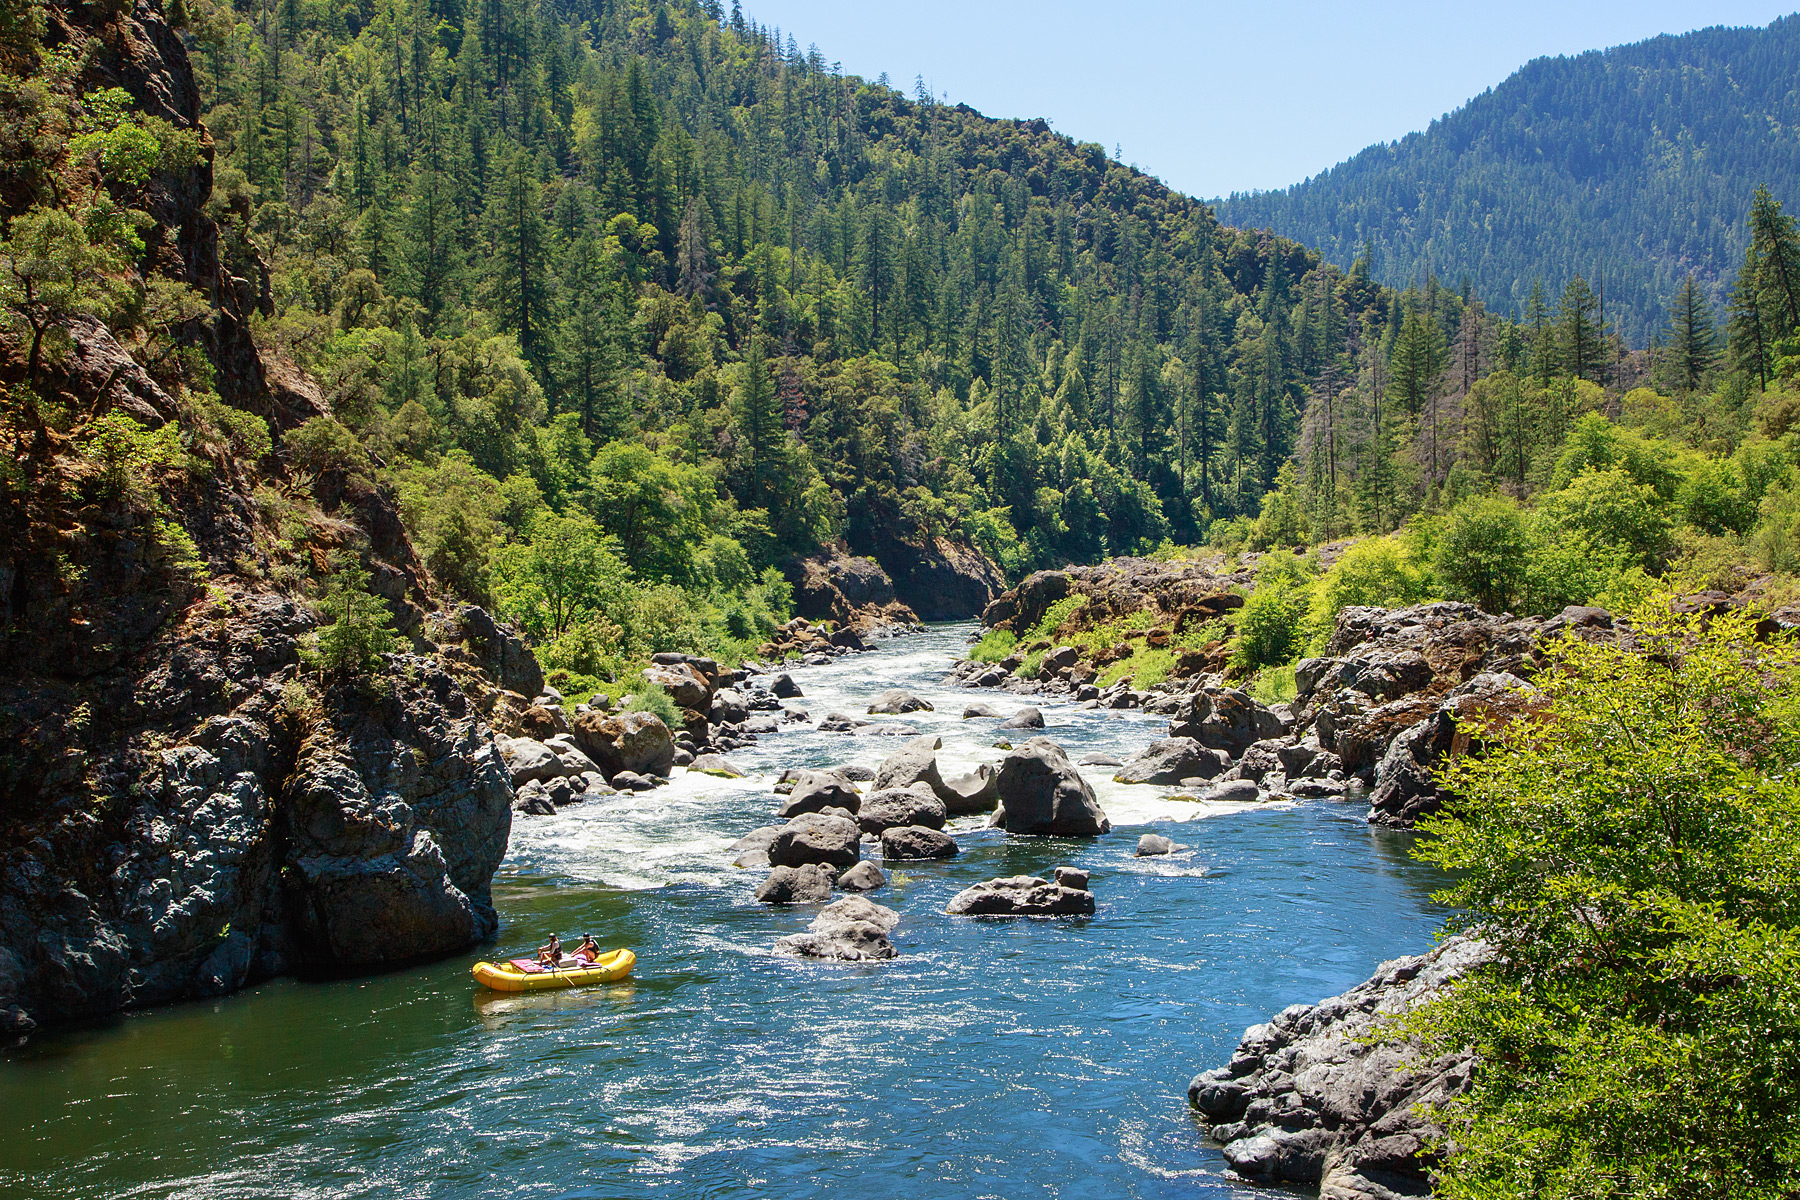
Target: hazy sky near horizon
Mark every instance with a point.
(1215, 98)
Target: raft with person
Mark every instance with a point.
(528, 975)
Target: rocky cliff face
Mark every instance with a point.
(1317, 1097)
(183, 809)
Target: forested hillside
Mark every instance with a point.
(1628, 166)
(640, 272)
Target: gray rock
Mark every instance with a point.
(976, 792)
(1072, 877)
(1224, 719)
(729, 708)
(865, 876)
(817, 838)
(888, 729)
(631, 781)
(896, 701)
(1152, 844)
(849, 930)
(500, 652)
(894, 807)
(917, 842)
(807, 884)
(1025, 718)
(840, 723)
(914, 763)
(1237, 791)
(980, 710)
(815, 791)
(784, 687)
(629, 741)
(1041, 792)
(683, 757)
(1172, 760)
(528, 759)
(752, 850)
(1316, 1097)
(1021, 896)
(1097, 759)
(715, 764)
(763, 724)
(856, 773)
(534, 805)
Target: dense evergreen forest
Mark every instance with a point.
(1629, 166)
(632, 305)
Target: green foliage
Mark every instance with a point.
(322, 445)
(994, 645)
(1499, 193)
(1613, 513)
(130, 456)
(651, 698)
(357, 628)
(1270, 626)
(1631, 847)
(1275, 685)
(1376, 571)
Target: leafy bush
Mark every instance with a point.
(1613, 511)
(129, 455)
(994, 645)
(651, 698)
(358, 631)
(1632, 850)
(1376, 571)
(1275, 685)
(1271, 623)
(1480, 554)
(322, 445)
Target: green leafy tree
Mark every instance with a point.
(357, 628)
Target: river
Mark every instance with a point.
(1016, 1059)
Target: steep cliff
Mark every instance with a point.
(186, 806)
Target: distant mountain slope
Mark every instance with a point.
(1635, 162)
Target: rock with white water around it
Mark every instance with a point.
(808, 884)
(888, 729)
(1021, 896)
(1097, 759)
(1041, 793)
(1238, 791)
(815, 791)
(752, 850)
(638, 742)
(1153, 844)
(1072, 877)
(715, 764)
(865, 876)
(895, 701)
(1172, 760)
(979, 710)
(896, 807)
(783, 687)
(976, 792)
(849, 930)
(1025, 718)
(912, 764)
(1316, 1097)
(917, 842)
(817, 838)
(840, 723)
(527, 760)
(631, 781)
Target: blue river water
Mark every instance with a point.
(1008, 1059)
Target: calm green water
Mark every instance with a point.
(993, 1059)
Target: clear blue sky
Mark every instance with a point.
(1218, 97)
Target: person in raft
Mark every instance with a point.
(588, 951)
(550, 953)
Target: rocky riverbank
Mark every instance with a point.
(1318, 1097)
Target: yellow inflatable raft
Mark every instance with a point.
(522, 975)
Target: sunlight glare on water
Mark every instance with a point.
(993, 1058)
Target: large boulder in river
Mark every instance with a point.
(528, 759)
(917, 842)
(976, 792)
(914, 763)
(896, 701)
(807, 884)
(1041, 792)
(752, 850)
(729, 708)
(817, 838)
(896, 807)
(1025, 718)
(1021, 896)
(638, 742)
(849, 930)
(816, 791)
(1171, 760)
(1318, 1097)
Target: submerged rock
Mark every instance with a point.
(715, 764)
(1153, 844)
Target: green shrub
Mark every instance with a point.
(994, 645)
(358, 631)
(651, 698)
(1274, 685)
(1271, 623)
(322, 445)
(1480, 554)
(1030, 664)
(1377, 571)
(129, 455)
(1611, 510)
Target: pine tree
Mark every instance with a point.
(520, 238)
(761, 430)
(1578, 331)
(1691, 346)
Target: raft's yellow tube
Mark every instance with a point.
(504, 977)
